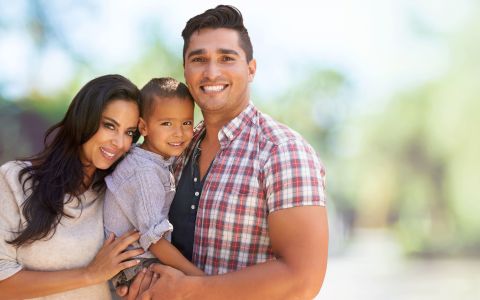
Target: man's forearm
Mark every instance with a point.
(270, 280)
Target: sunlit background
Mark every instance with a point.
(385, 90)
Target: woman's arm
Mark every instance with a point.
(109, 261)
(169, 255)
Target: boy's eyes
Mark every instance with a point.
(188, 123)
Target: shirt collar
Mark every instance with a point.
(228, 133)
(152, 156)
(233, 128)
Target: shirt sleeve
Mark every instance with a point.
(294, 176)
(142, 199)
(9, 224)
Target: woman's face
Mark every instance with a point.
(113, 137)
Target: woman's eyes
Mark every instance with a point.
(109, 126)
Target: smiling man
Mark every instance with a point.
(250, 203)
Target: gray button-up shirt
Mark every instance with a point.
(139, 194)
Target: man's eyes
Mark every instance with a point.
(166, 123)
(204, 59)
(228, 58)
(199, 59)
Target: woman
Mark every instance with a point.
(51, 205)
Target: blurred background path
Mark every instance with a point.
(374, 268)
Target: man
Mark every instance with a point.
(250, 203)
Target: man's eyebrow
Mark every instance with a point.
(112, 120)
(221, 51)
(196, 52)
(227, 51)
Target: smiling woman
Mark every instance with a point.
(51, 204)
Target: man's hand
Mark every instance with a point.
(144, 280)
(171, 284)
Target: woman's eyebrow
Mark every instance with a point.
(112, 120)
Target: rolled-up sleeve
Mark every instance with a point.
(142, 198)
(9, 224)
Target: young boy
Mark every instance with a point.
(141, 189)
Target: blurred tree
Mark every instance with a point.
(418, 165)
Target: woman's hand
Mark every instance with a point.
(111, 258)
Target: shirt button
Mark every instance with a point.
(197, 193)
(195, 179)
(193, 206)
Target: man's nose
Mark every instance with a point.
(212, 70)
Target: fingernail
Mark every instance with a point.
(144, 270)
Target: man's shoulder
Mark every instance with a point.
(272, 131)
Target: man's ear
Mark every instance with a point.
(142, 127)
(252, 68)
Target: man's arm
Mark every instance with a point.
(299, 238)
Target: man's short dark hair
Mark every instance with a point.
(165, 87)
(222, 16)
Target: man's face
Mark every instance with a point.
(217, 72)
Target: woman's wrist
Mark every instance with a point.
(88, 277)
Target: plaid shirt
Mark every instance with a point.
(262, 166)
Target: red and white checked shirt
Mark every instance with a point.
(262, 166)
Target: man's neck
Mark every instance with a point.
(214, 122)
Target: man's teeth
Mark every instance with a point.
(107, 153)
(213, 88)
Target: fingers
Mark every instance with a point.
(109, 240)
(128, 264)
(158, 268)
(147, 279)
(130, 253)
(125, 240)
(121, 290)
(135, 285)
(154, 278)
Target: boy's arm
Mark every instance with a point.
(169, 255)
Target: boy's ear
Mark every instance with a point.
(142, 127)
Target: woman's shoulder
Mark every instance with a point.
(11, 169)
(10, 186)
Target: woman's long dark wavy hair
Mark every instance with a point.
(57, 171)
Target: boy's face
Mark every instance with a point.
(168, 128)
